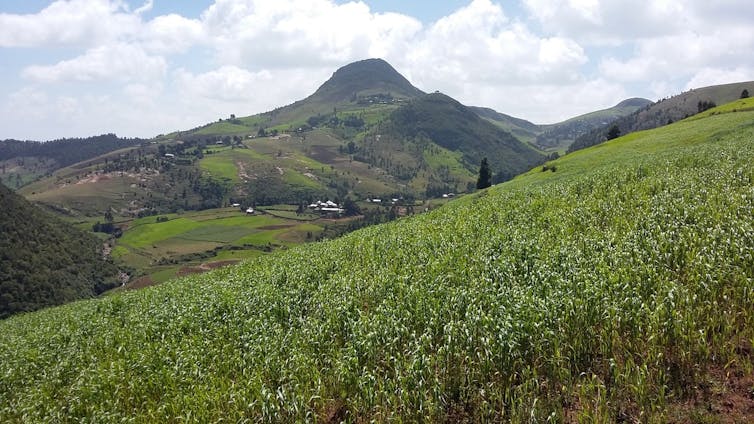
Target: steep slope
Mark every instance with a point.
(561, 135)
(521, 128)
(447, 123)
(666, 111)
(363, 81)
(354, 87)
(44, 261)
(22, 162)
(615, 289)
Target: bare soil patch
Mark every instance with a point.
(323, 154)
(726, 397)
(188, 270)
(140, 283)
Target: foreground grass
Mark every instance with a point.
(601, 295)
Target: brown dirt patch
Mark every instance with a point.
(188, 270)
(725, 397)
(323, 154)
(335, 412)
(140, 283)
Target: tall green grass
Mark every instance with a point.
(596, 296)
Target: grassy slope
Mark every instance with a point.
(672, 109)
(603, 291)
(147, 241)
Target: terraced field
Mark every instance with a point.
(161, 248)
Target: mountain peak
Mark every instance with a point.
(634, 102)
(365, 78)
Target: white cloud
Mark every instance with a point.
(714, 76)
(562, 58)
(303, 33)
(73, 22)
(171, 34)
(682, 55)
(120, 62)
(479, 45)
(229, 83)
(230, 89)
(481, 57)
(608, 21)
(148, 5)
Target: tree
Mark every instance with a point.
(614, 132)
(350, 207)
(745, 94)
(485, 176)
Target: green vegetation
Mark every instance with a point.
(224, 128)
(560, 136)
(742, 105)
(664, 112)
(455, 127)
(193, 238)
(44, 261)
(44, 158)
(606, 291)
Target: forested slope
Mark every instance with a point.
(45, 261)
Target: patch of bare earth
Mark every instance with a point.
(188, 270)
(140, 283)
(724, 397)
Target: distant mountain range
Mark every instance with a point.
(366, 131)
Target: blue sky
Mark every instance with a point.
(145, 67)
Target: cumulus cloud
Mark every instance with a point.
(557, 59)
(171, 34)
(230, 89)
(120, 62)
(262, 34)
(229, 83)
(608, 21)
(714, 76)
(478, 44)
(73, 22)
(480, 56)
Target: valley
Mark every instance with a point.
(613, 288)
(348, 258)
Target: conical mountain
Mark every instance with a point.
(362, 80)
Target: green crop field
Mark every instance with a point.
(616, 289)
(148, 241)
(223, 128)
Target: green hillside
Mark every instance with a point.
(521, 128)
(666, 111)
(616, 289)
(23, 162)
(561, 135)
(44, 261)
(557, 137)
(454, 127)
